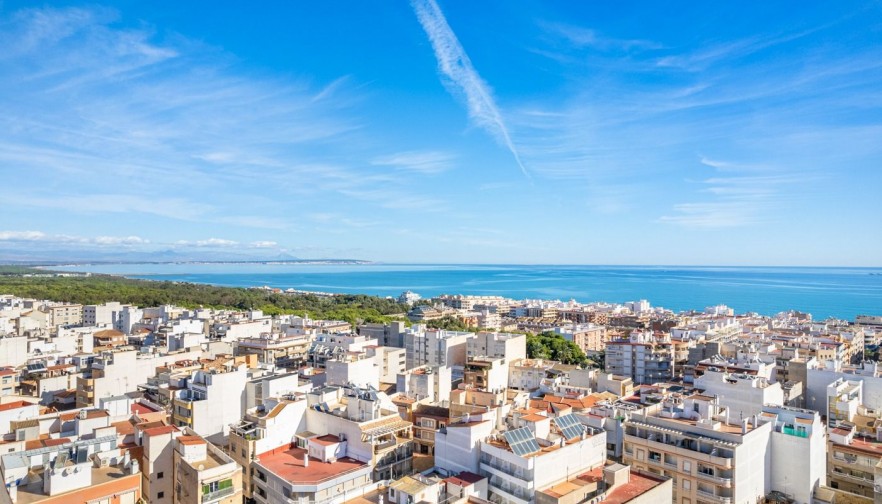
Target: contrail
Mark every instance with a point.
(454, 63)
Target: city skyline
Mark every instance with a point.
(439, 132)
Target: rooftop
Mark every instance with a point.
(636, 486)
(287, 463)
(33, 492)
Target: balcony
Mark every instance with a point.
(702, 448)
(722, 480)
(839, 473)
(790, 431)
(217, 494)
(713, 497)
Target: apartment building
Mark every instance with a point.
(272, 348)
(426, 383)
(157, 462)
(510, 347)
(743, 394)
(435, 347)
(317, 470)
(101, 315)
(9, 381)
(212, 400)
(614, 483)
(203, 473)
(391, 361)
(853, 462)
(844, 397)
(643, 357)
(488, 373)
(113, 373)
(590, 338)
(370, 424)
(798, 444)
(63, 314)
(263, 429)
(88, 470)
(709, 457)
(427, 421)
(522, 461)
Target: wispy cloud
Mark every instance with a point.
(429, 163)
(739, 197)
(455, 65)
(581, 37)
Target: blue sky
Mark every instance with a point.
(488, 132)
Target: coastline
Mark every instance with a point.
(825, 292)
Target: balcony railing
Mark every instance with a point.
(714, 478)
(840, 473)
(713, 497)
(217, 494)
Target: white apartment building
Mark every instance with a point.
(798, 451)
(426, 383)
(369, 423)
(643, 357)
(391, 361)
(519, 462)
(510, 347)
(457, 445)
(353, 368)
(101, 315)
(844, 397)
(116, 372)
(265, 428)
(435, 347)
(743, 394)
(711, 458)
(212, 400)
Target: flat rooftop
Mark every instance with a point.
(287, 463)
(636, 486)
(33, 492)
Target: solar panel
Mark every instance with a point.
(566, 421)
(521, 441)
(570, 426)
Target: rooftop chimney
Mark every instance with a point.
(306, 459)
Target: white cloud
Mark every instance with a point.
(216, 242)
(58, 239)
(264, 244)
(22, 235)
(454, 64)
(121, 240)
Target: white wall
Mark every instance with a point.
(459, 450)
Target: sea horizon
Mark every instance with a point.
(824, 291)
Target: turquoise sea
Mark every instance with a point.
(823, 292)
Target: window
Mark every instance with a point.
(160, 475)
(687, 466)
(160, 495)
(686, 484)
